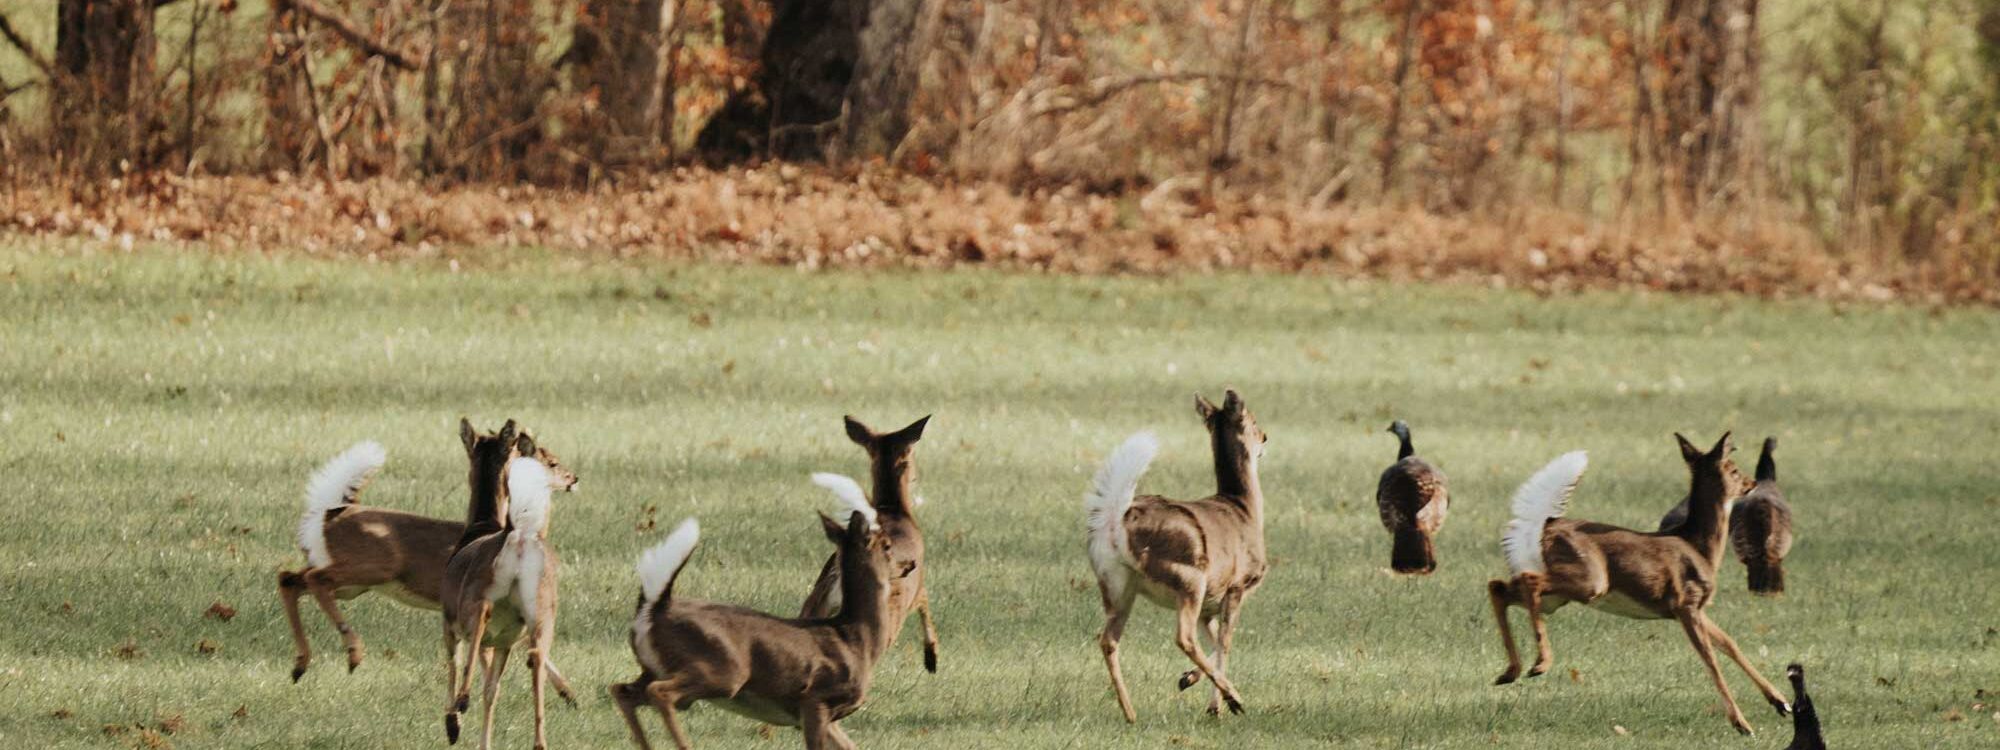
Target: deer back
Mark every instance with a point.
(1625, 572)
(1216, 536)
(389, 546)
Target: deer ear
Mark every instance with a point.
(834, 531)
(1689, 453)
(1204, 407)
(507, 432)
(914, 432)
(466, 434)
(1722, 447)
(1231, 400)
(524, 444)
(858, 432)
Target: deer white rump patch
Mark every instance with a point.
(1544, 496)
(1110, 495)
(851, 498)
(336, 483)
(657, 568)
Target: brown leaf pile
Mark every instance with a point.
(873, 218)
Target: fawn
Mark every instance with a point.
(500, 590)
(1643, 576)
(351, 549)
(1200, 558)
(891, 471)
(807, 672)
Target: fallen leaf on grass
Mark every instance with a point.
(220, 611)
(207, 647)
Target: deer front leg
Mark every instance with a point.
(1728, 646)
(1115, 613)
(1224, 639)
(930, 630)
(1698, 636)
(628, 696)
(839, 737)
(1498, 594)
(1192, 676)
(291, 586)
(322, 582)
(495, 667)
(664, 694)
(1185, 637)
(814, 720)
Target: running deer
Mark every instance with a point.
(1661, 575)
(1200, 558)
(352, 549)
(808, 673)
(891, 472)
(1413, 498)
(500, 591)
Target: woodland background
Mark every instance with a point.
(1831, 147)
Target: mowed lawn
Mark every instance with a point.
(160, 411)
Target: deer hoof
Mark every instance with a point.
(1235, 704)
(1508, 677)
(567, 697)
(1784, 709)
(451, 728)
(464, 703)
(930, 661)
(1538, 670)
(1190, 678)
(297, 672)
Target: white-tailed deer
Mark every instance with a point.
(1200, 558)
(891, 471)
(1656, 576)
(1760, 525)
(1413, 498)
(499, 591)
(808, 673)
(352, 549)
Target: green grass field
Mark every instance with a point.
(161, 410)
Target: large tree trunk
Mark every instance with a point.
(615, 51)
(835, 75)
(104, 92)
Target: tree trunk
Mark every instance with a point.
(616, 52)
(104, 91)
(1711, 56)
(833, 73)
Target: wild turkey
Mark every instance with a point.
(1760, 528)
(1413, 499)
(1805, 721)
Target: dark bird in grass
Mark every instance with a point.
(1760, 526)
(1413, 499)
(1805, 721)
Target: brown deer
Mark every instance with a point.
(351, 549)
(1760, 525)
(1644, 576)
(808, 673)
(1200, 558)
(500, 591)
(891, 471)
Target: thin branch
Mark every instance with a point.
(1065, 99)
(346, 30)
(21, 43)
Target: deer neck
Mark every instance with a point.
(1707, 527)
(1236, 475)
(864, 611)
(488, 506)
(891, 477)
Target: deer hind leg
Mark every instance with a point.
(322, 582)
(1224, 638)
(1728, 646)
(475, 650)
(538, 670)
(1698, 636)
(560, 683)
(291, 586)
(628, 696)
(1498, 593)
(1532, 586)
(930, 630)
(839, 736)
(495, 667)
(1185, 637)
(814, 720)
(1208, 639)
(1117, 607)
(451, 684)
(664, 694)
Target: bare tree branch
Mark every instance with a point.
(27, 49)
(355, 36)
(1066, 99)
